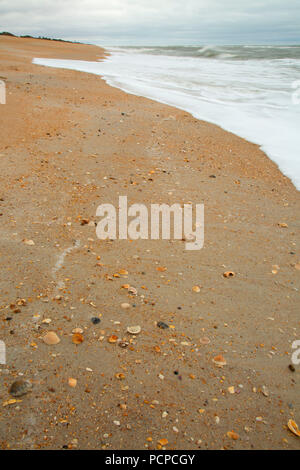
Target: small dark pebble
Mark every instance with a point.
(292, 368)
(212, 176)
(162, 325)
(176, 372)
(95, 320)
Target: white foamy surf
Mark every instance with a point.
(252, 91)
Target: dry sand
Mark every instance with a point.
(67, 147)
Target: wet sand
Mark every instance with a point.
(69, 142)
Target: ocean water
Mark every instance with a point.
(252, 91)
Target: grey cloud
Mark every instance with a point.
(161, 21)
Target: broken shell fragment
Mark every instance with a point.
(120, 376)
(12, 401)
(112, 339)
(229, 274)
(123, 272)
(293, 427)
(77, 330)
(132, 290)
(204, 340)
(161, 268)
(123, 344)
(134, 330)
(219, 360)
(72, 382)
(125, 305)
(163, 442)
(77, 338)
(28, 242)
(233, 435)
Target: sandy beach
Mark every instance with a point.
(69, 142)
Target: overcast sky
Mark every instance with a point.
(116, 22)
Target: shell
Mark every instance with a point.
(293, 427)
(51, 338)
(132, 290)
(72, 382)
(20, 388)
(163, 442)
(134, 330)
(112, 339)
(77, 338)
(123, 272)
(229, 274)
(204, 340)
(125, 305)
(219, 360)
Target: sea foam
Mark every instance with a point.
(253, 92)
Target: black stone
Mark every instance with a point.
(162, 325)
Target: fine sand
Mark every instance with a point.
(69, 142)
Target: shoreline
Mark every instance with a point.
(271, 145)
(260, 146)
(70, 142)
